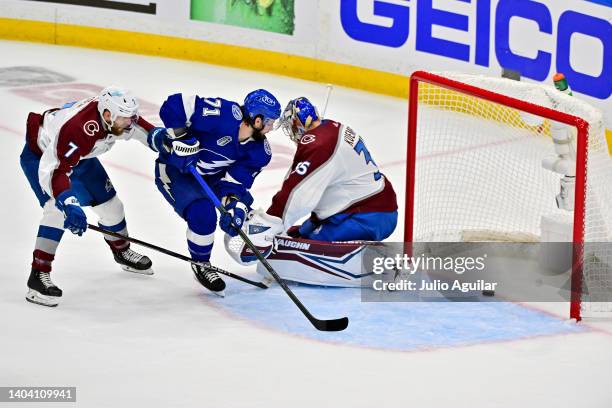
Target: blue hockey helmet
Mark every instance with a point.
(262, 103)
(298, 116)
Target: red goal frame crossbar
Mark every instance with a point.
(580, 124)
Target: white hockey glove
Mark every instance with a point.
(261, 228)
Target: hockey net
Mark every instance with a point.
(475, 151)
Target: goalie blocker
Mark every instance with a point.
(297, 259)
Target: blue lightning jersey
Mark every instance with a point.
(224, 162)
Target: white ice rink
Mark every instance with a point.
(160, 341)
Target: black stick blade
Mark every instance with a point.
(331, 325)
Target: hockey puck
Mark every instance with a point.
(488, 293)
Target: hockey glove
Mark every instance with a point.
(75, 219)
(184, 154)
(236, 213)
(157, 138)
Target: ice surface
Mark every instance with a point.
(135, 341)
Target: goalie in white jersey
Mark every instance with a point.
(334, 179)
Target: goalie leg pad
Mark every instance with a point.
(317, 262)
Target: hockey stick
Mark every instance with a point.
(330, 87)
(173, 254)
(323, 325)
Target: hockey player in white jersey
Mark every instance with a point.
(334, 179)
(59, 161)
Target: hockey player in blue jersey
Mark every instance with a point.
(226, 143)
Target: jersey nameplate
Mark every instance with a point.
(350, 136)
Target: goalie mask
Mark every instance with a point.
(297, 118)
(261, 229)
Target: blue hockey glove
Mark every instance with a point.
(157, 139)
(236, 213)
(184, 154)
(75, 219)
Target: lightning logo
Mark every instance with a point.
(213, 166)
(205, 168)
(163, 176)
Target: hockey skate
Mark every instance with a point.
(41, 290)
(208, 277)
(131, 261)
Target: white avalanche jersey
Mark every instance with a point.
(63, 137)
(332, 172)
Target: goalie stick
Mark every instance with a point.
(319, 324)
(330, 87)
(174, 254)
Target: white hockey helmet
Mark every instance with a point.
(119, 102)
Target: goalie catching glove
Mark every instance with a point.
(261, 228)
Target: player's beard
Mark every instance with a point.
(117, 131)
(257, 135)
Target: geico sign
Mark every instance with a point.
(570, 22)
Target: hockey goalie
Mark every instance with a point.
(333, 178)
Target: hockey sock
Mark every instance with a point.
(201, 222)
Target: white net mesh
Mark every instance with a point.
(479, 173)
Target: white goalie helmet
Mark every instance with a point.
(119, 102)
